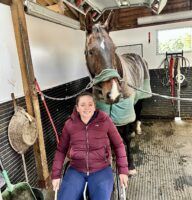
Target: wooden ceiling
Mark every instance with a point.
(125, 18)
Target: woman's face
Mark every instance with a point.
(86, 107)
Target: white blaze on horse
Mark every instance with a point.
(112, 74)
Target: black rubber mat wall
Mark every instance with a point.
(59, 110)
(157, 107)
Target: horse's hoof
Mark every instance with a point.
(138, 128)
(132, 134)
(132, 172)
(139, 132)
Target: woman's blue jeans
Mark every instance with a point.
(100, 185)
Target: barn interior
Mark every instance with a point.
(42, 44)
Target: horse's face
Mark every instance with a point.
(100, 50)
(111, 90)
(100, 55)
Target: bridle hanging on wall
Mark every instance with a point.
(175, 69)
(163, 76)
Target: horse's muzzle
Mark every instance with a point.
(110, 100)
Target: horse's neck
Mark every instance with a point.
(127, 77)
(118, 65)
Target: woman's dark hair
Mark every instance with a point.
(84, 94)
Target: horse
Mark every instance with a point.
(113, 76)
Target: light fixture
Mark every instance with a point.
(123, 3)
(165, 17)
(49, 15)
(158, 5)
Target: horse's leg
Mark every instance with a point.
(125, 133)
(138, 108)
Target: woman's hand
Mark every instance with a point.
(56, 184)
(123, 180)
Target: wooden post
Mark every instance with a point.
(32, 103)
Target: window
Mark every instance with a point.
(174, 40)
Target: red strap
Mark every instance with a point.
(171, 76)
(49, 115)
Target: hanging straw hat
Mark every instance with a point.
(22, 131)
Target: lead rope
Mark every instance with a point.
(171, 77)
(88, 86)
(47, 110)
(160, 95)
(178, 79)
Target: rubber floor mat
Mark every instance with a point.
(160, 163)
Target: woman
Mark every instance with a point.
(86, 138)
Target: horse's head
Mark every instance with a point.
(100, 56)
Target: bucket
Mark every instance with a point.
(19, 191)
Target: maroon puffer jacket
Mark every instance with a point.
(89, 145)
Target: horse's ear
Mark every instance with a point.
(108, 25)
(88, 22)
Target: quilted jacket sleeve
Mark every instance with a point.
(60, 154)
(119, 148)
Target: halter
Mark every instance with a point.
(105, 75)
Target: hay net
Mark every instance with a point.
(22, 130)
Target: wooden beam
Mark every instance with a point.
(6, 2)
(137, 12)
(15, 19)
(24, 54)
(49, 2)
(41, 2)
(56, 8)
(180, 6)
(190, 5)
(71, 12)
(61, 6)
(117, 12)
(82, 21)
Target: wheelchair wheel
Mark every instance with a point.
(117, 193)
(114, 195)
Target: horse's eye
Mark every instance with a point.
(91, 52)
